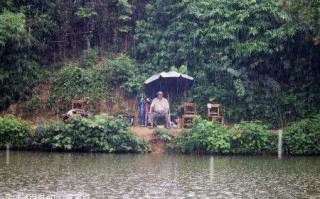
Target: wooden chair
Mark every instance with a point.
(77, 104)
(189, 114)
(214, 113)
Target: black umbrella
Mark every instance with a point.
(170, 83)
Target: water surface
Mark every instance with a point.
(158, 176)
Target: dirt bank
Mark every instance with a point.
(157, 145)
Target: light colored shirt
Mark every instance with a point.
(71, 113)
(158, 105)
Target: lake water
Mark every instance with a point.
(85, 175)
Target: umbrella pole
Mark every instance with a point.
(169, 111)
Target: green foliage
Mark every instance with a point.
(18, 69)
(307, 13)
(163, 135)
(119, 70)
(260, 59)
(126, 141)
(101, 133)
(33, 105)
(12, 27)
(241, 53)
(41, 29)
(242, 138)
(34, 33)
(133, 86)
(182, 69)
(18, 79)
(122, 71)
(85, 12)
(96, 80)
(303, 137)
(205, 137)
(90, 58)
(13, 131)
(73, 82)
(252, 137)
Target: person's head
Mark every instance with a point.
(159, 94)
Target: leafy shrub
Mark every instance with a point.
(90, 58)
(122, 71)
(73, 82)
(13, 131)
(205, 137)
(93, 80)
(126, 141)
(163, 135)
(101, 133)
(51, 101)
(272, 146)
(244, 138)
(252, 137)
(303, 137)
(32, 105)
(52, 136)
(133, 86)
(119, 70)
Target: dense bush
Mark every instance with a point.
(205, 137)
(74, 82)
(259, 58)
(90, 58)
(101, 133)
(32, 105)
(13, 131)
(243, 138)
(252, 137)
(163, 135)
(123, 71)
(255, 57)
(95, 80)
(303, 137)
(19, 70)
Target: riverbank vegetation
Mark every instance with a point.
(95, 78)
(242, 138)
(100, 133)
(303, 137)
(300, 138)
(13, 131)
(104, 133)
(259, 59)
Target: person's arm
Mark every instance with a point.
(167, 106)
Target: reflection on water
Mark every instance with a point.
(159, 176)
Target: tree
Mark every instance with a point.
(12, 28)
(18, 71)
(306, 12)
(238, 51)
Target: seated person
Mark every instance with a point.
(159, 108)
(73, 113)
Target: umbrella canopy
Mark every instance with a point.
(170, 82)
